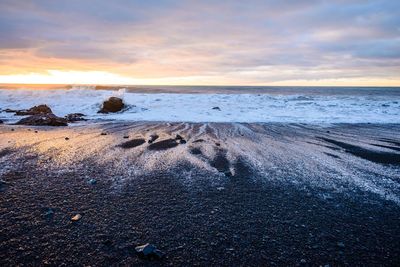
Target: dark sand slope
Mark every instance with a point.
(233, 194)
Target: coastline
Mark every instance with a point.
(233, 193)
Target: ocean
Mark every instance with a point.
(213, 103)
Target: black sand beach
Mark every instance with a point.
(214, 194)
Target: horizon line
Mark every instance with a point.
(196, 85)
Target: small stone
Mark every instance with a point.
(153, 138)
(178, 137)
(67, 138)
(149, 252)
(92, 181)
(216, 108)
(103, 133)
(12, 129)
(36, 131)
(126, 136)
(76, 218)
(217, 144)
(182, 141)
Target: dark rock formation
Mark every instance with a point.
(75, 117)
(163, 145)
(153, 138)
(149, 252)
(36, 110)
(195, 151)
(8, 110)
(43, 120)
(113, 104)
(133, 143)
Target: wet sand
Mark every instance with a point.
(203, 193)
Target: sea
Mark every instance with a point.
(286, 104)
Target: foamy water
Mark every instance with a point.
(233, 107)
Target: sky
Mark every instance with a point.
(286, 42)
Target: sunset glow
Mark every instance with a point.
(185, 42)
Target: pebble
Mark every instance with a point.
(149, 251)
(76, 218)
(92, 181)
(67, 138)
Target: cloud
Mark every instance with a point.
(234, 41)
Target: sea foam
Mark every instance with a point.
(292, 108)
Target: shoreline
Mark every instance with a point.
(231, 194)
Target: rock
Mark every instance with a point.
(149, 252)
(133, 143)
(76, 218)
(182, 141)
(113, 104)
(36, 110)
(12, 129)
(126, 136)
(216, 108)
(195, 151)
(163, 145)
(8, 110)
(153, 138)
(178, 137)
(103, 133)
(67, 138)
(92, 181)
(3, 184)
(73, 117)
(43, 120)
